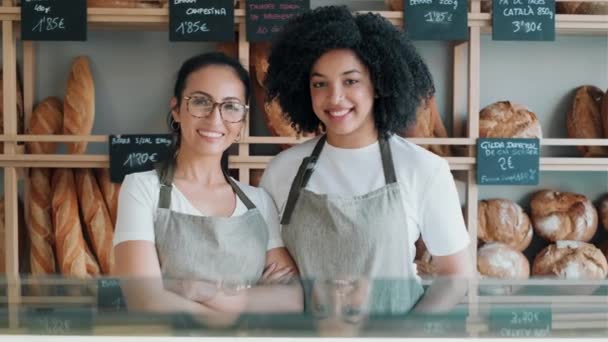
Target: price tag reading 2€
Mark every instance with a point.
(436, 19)
(508, 161)
(54, 20)
(523, 20)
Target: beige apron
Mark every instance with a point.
(209, 248)
(333, 237)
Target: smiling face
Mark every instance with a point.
(210, 135)
(342, 96)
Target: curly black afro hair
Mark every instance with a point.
(400, 77)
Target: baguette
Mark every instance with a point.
(47, 118)
(79, 103)
(71, 246)
(96, 218)
(40, 223)
(20, 113)
(110, 192)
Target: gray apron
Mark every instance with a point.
(215, 249)
(333, 237)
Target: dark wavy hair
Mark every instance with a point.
(400, 77)
(192, 65)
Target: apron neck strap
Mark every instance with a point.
(241, 195)
(387, 161)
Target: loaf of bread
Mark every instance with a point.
(110, 192)
(96, 218)
(428, 124)
(570, 260)
(69, 240)
(603, 210)
(584, 119)
(563, 216)
(79, 103)
(47, 118)
(40, 223)
(604, 248)
(501, 220)
(581, 7)
(259, 60)
(394, 5)
(127, 3)
(499, 260)
(20, 113)
(604, 113)
(505, 119)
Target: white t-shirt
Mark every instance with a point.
(138, 201)
(430, 198)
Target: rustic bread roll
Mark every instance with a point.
(110, 192)
(428, 124)
(40, 223)
(47, 118)
(259, 59)
(584, 120)
(499, 260)
(70, 243)
(570, 260)
(96, 218)
(501, 220)
(20, 113)
(563, 216)
(79, 103)
(581, 7)
(127, 3)
(394, 5)
(603, 210)
(505, 119)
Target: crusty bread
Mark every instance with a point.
(71, 246)
(47, 118)
(571, 260)
(563, 216)
(96, 218)
(584, 120)
(79, 103)
(428, 124)
(40, 223)
(259, 59)
(110, 192)
(499, 260)
(127, 3)
(502, 220)
(20, 113)
(581, 7)
(603, 211)
(506, 119)
(604, 114)
(394, 5)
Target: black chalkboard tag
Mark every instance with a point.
(109, 295)
(201, 20)
(136, 153)
(530, 322)
(265, 18)
(436, 19)
(54, 20)
(523, 20)
(508, 161)
(57, 321)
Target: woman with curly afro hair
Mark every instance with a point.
(354, 200)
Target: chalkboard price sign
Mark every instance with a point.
(436, 19)
(523, 20)
(109, 295)
(201, 20)
(520, 322)
(54, 20)
(508, 161)
(136, 153)
(265, 18)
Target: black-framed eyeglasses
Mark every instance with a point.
(202, 106)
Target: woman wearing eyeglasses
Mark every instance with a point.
(208, 235)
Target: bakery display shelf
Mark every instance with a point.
(55, 300)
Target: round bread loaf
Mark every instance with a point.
(394, 5)
(505, 119)
(571, 260)
(499, 260)
(581, 7)
(501, 220)
(585, 119)
(603, 209)
(563, 216)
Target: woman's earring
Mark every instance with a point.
(174, 125)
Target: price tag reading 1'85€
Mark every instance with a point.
(523, 20)
(436, 19)
(54, 20)
(201, 20)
